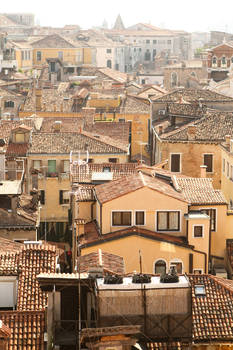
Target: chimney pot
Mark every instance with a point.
(203, 171)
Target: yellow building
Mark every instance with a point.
(55, 46)
(23, 55)
(49, 169)
(166, 220)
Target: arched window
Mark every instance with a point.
(109, 63)
(147, 55)
(160, 266)
(214, 61)
(174, 79)
(224, 62)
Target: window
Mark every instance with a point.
(154, 41)
(22, 55)
(178, 266)
(154, 53)
(66, 166)
(160, 267)
(147, 55)
(52, 67)
(64, 197)
(199, 290)
(121, 120)
(26, 55)
(90, 160)
(106, 169)
(112, 160)
(223, 165)
(121, 218)
(223, 61)
(37, 164)
(9, 104)
(212, 214)
(208, 161)
(109, 50)
(38, 55)
(109, 63)
(143, 81)
(168, 221)
(147, 41)
(197, 271)
(60, 55)
(19, 137)
(197, 231)
(139, 218)
(214, 61)
(42, 197)
(175, 163)
(51, 166)
(169, 42)
(29, 55)
(117, 66)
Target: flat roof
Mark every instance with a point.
(10, 187)
(155, 284)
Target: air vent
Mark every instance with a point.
(113, 279)
(141, 278)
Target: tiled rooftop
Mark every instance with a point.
(125, 185)
(212, 313)
(17, 149)
(133, 104)
(34, 259)
(212, 127)
(27, 329)
(83, 173)
(110, 262)
(200, 191)
(114, 130)
(185, 109)
(9, 262)
(192, 95)
(63, 143)
(84, 193)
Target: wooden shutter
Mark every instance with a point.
(175, 163)
(60, 197)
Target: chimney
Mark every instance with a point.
(203, 171)
(38, 99)
(160, 129)
(192, 132)
(14, 204)
(88, 115)
(57, 126)
(227, 140)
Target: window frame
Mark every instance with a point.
(209, 154)
(180, 163)
(168, 211)
(122, 211)
(38, 56)
(215, 222)
(196, 225)
(157, 260)
(177, 261)
(144, 217)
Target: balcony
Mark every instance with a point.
(9, 64)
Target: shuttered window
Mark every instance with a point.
(175, 163)
(208, 161)
(168, 221)
(121, 218)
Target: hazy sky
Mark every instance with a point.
(195, 15)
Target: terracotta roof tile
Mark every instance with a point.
(125, 185)
(110, 262)
(212, 312)
(192, 95)
(212, 127)
(27, 329)
(9, 264)
(5, 331)
(200, 191)
(17, 149)
(64, 143)
(34, 259)
(83, 173)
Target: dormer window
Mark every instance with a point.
(214, 61)
(19, 137)
(199, 290)
(223, 61)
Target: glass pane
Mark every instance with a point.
(162, 220)
(197, 231)
(173, 220)
(51, 166)
(126, 218)
(178, 266)
(160, 267)
(139, 217)
(116, 218)
(36, 164)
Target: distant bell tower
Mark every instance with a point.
(119, 25)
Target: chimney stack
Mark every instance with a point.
(38, 99)
(203, 171)
(88, 115)
(192, 132)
